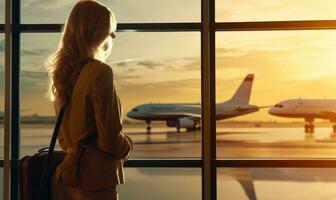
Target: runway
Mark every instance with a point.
(237, 142)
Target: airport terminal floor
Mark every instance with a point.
(234, 140)
(227, 100)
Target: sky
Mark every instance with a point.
(165, 67)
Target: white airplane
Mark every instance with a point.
(189, 115)
(309, 109)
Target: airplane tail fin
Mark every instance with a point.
(243, 93)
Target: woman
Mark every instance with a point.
(91, 131)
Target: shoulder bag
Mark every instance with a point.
(37, 171)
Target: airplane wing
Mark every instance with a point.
(243, 109)
(191, 115)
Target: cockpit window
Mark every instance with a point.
(279, 105)
(135, 110)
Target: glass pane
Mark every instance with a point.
(161, 184)
(2, 13)
(148, 67)
(160, 72)
(276, 183)
(265, 10)
(125, 11)
(291, 81)
(37, 112)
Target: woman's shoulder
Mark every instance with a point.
(99, 66)
(99, 72)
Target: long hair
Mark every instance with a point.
(85, 35)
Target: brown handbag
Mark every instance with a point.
(37, 171)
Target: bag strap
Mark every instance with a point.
(59, 121)
(47, 164)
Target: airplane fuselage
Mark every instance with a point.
(158, 112)
(306, 108)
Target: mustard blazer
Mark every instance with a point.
(94, 112)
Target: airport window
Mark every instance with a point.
(265, 10)
(138, 81)
(168, 60)
(294, 70)
(37, 111)
(127, 11)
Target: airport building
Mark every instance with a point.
(225, 99)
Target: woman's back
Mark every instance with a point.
(93, 117)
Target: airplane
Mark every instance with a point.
(188, 115)
(309, 109)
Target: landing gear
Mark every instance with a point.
(194, 128)
(148, 126)
(197, 126)
(309, 127)
(178, 126)
(334, 128)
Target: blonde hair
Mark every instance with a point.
(85, 35)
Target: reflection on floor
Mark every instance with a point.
(313, 183)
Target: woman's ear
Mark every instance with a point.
(104, 50)
(108, 46)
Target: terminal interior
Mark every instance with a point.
(227, 85)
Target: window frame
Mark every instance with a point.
(208, 28)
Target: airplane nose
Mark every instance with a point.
(129, 114)
(271, 111)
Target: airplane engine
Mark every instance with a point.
(186, 122)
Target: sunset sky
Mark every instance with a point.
(165, 67)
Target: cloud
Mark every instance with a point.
(188, 90)
(34, 52)
(152, 65)
(194, 64)
(145, 68)
(33, 74)
(260, 10)
(120, 77)
(33, 83)
(148, 64)
(46, 4)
